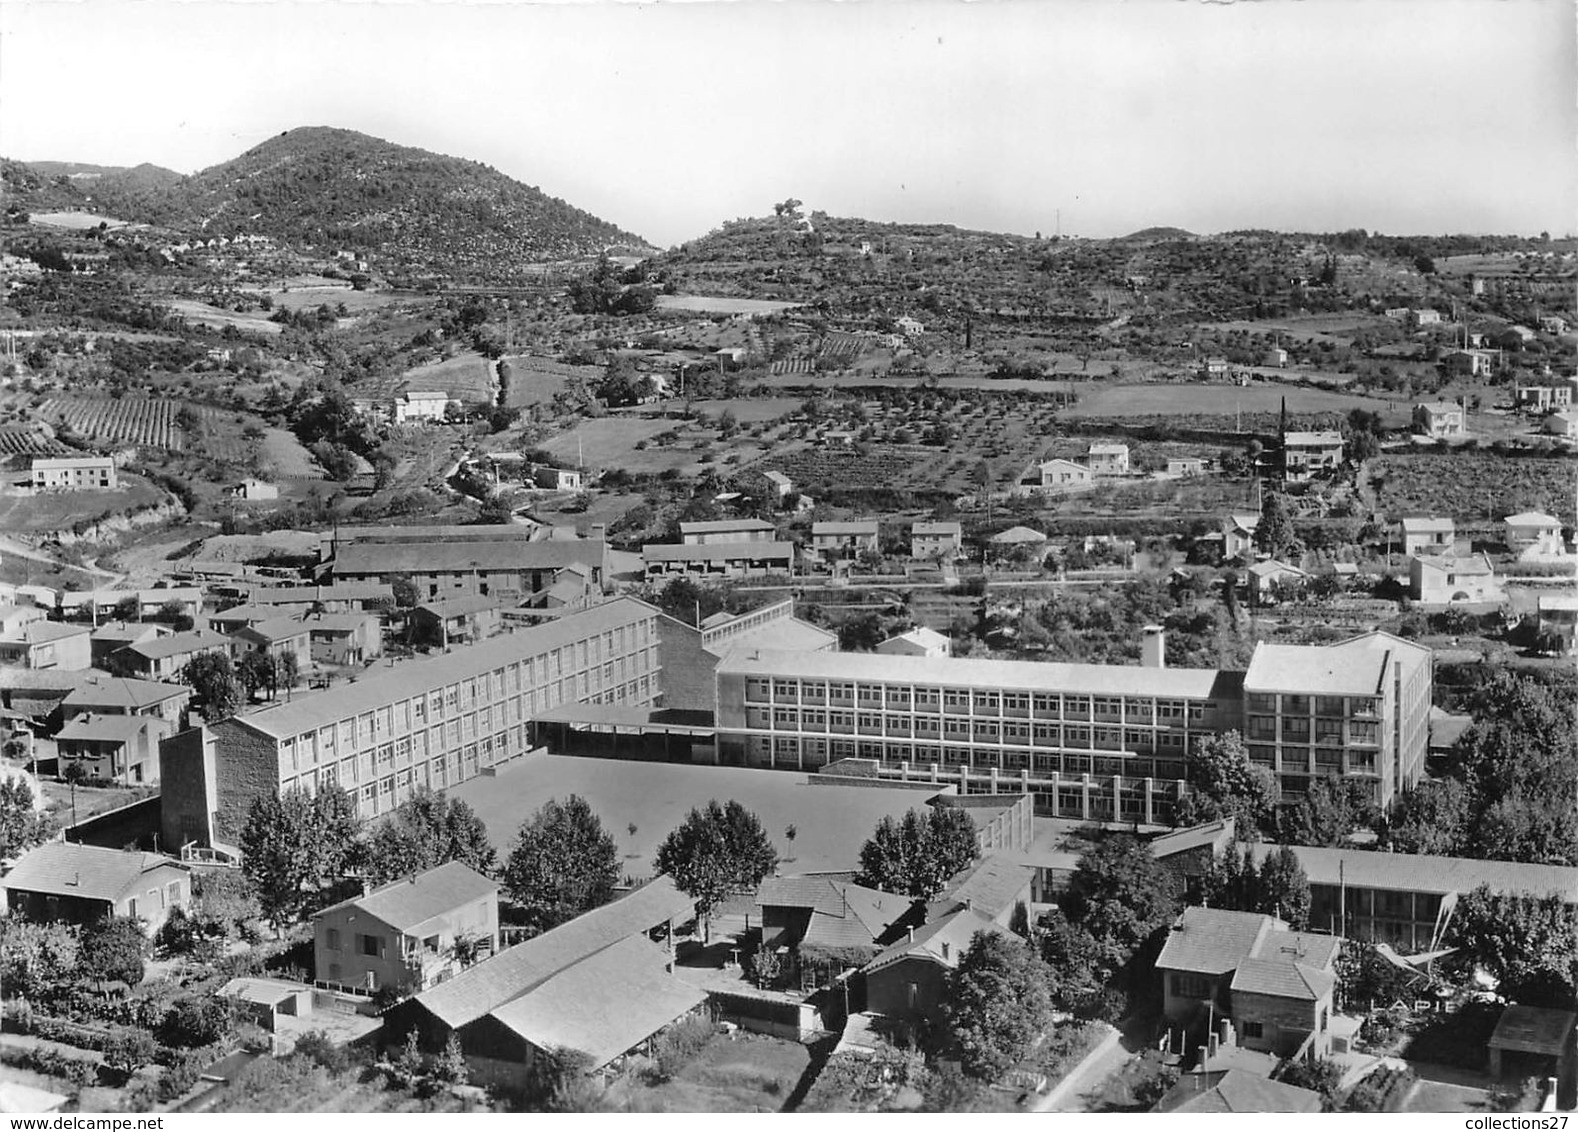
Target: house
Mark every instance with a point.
(1563, 424)
(1273, 983)
(1186, 466)
(1440, 420)
(689, 654)
(96, 693)
(1469, 363)
(188, 600)
(425, 405)
(1534, 530)
(996, 886)
(450, 565)
(74, 473)
(341, 597)
(1452, 579)
(123, 749)
(457, 620)
(228, 621)
(1238, 1091)
(48, 644)
(1276, 356)
(1018, 536)
(1059, 473)
(465, 1005)
(80, 884)
(164, 657)
(725, 560)
(1267, 578)
(1553, 324)
(1238, 534)
(844, 540)
(344, 638)
(936, 542)
(252, 491)
(909, 979)
(1398, 313)
(13, 618)
(273, 638)
(557, 479)
(710, 532)
(410, 934)
(1543, 398)
(778, 484)
(113, 635)
(1193, 852)
(908, 326)
(1308, 454)
(1558, 615)
(1427, 535)
(1213, 368)
(263, 1001)
(822, 915)
(1108, 459)
(1424, 316)
(919, 641)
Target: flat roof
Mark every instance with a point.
(620, 717)
(1035, 675)
(402, 681)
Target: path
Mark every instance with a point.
(21, 550)
(1084, 1081)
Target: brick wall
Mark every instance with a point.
(186, 789)
(246, 767)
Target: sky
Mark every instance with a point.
(1089, 117)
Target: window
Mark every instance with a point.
(1191, 986)
(333, 940)
(1328, 705)
(1260, 701)
(1362, 732)
(1295, 728)
(369, 944)
(955, 700)
(1255, 1030)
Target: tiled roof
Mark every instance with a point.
(460, 554)
(924, 636)
(849, 527)
(386, 685)
(1282, 979)
(337, 622)
(67, 869)
(1098, 679)
(459, 606)
(1194, 837)
(990, 887)
(1212, 941)
(274, 629)
(1532, 519)
(410, 902)
(843, 913)
(715, 551)
(178, 643)
(1018, 534)
(1474, 565)
(99, 691)
(603, 1004)
(1312, 439)
(103, 728)
(942, 940)
(1242, 1091)
(516, 970)
(946, 528)
(723, 526)
(42, 632)
(128, 631)
(1411, 526)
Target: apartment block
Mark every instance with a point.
(435, 722)
(1359, 709)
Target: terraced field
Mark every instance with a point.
(144, 421)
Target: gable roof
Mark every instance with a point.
(1212, 941)
(63, 868)
(407, 904)
(92, 728)
(1473, 565)
(1271, 568)
(1313, 439)
(177, 643)
(724, 526)
(1281, 979)
(512, 972)
(274, 629)
(604, 1004)
(1242, 1091)
(1216, 834)
(843, 914)
(940, 941)
(991, 886)
(1018, 534)
(1423, 525)
(42, 632)
(1532, 519)
(100, 691)
(948, 527)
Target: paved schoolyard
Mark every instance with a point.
(832, 822)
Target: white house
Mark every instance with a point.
(1562, 424)
(1448, 580)
(1238, 533)
(1057, 473)
(1308, 454)
(1427, 535)
(1186, 466)
(252, 491)
(420, 405)
(941, 541)
(1440, 420)
(1108, 459)
(917, 642)
(1534, 531)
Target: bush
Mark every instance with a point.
(181, 1072)
(679, 1044)
(197, 1021)
(127, 1051)
(317, 1046)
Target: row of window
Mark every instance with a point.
(966, 701)
(810, 753)
(1367, 707)
(966, 729)
(1323, 760)
(1298, 729)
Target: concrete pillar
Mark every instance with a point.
(1150, 801)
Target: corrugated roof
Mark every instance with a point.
(67, 869)
(1212, 941)
(386, 685)
(1410, 872)
(604, 1004)
(410, 902)
(1110, 679)
(516, 970)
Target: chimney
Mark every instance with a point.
(1153, 647)
(598, 532)
(912, 935)
(945, 951)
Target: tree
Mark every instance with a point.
(450, 1065)
(917, 855)
(1073, 955)
(562, 863)
(1123, 896)
(860, 633)
(998, 1004)
(425, 831)
(127, 1050)
(1274, 534)
(37, 960)
(128, 609)
(113, 950)
(1282, 889)
(286, 670)
(213, 681)
(716, 851)
(174, 614)
(256, 671)
(1330, 810)
(406, 595)
(21, 826)
(1224, 783)
(1528, 943)
(295, 844)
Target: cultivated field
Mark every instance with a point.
(832, 822)
(467, 377)
(610, 442)
(1216, 400)
(76, 221)
(1477, 485)
(721, 304)
(143, 421)
(287, 457)
(310, 295)
(202, 314)
(533, 380)
(61, 510)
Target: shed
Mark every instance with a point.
(1534, 1032)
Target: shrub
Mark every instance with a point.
(678, 1045)
(181, 1072)
(197, 1021)
(127, 1051)
(317, 1046)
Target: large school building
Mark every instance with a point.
(1092, 742)
(434, 722)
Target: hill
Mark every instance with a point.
(407, 211)
(1152, 235)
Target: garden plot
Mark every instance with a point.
(147, 422)
(202, 314)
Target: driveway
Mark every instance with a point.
(1083, 1085)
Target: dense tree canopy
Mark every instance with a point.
(214, 683)
(563, 863)
(1529, 944)
(1224, 783)
(916, 855)
(1276, 886)
(295, 844)
(717, 850)
(21, 827)
(998, 1004)
(113, 950)
(425, 831)
(1122, 897)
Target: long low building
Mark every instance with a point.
(1092, 742)
(504, 568)
(1404, 898)
(717, 560)
(434, 722)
